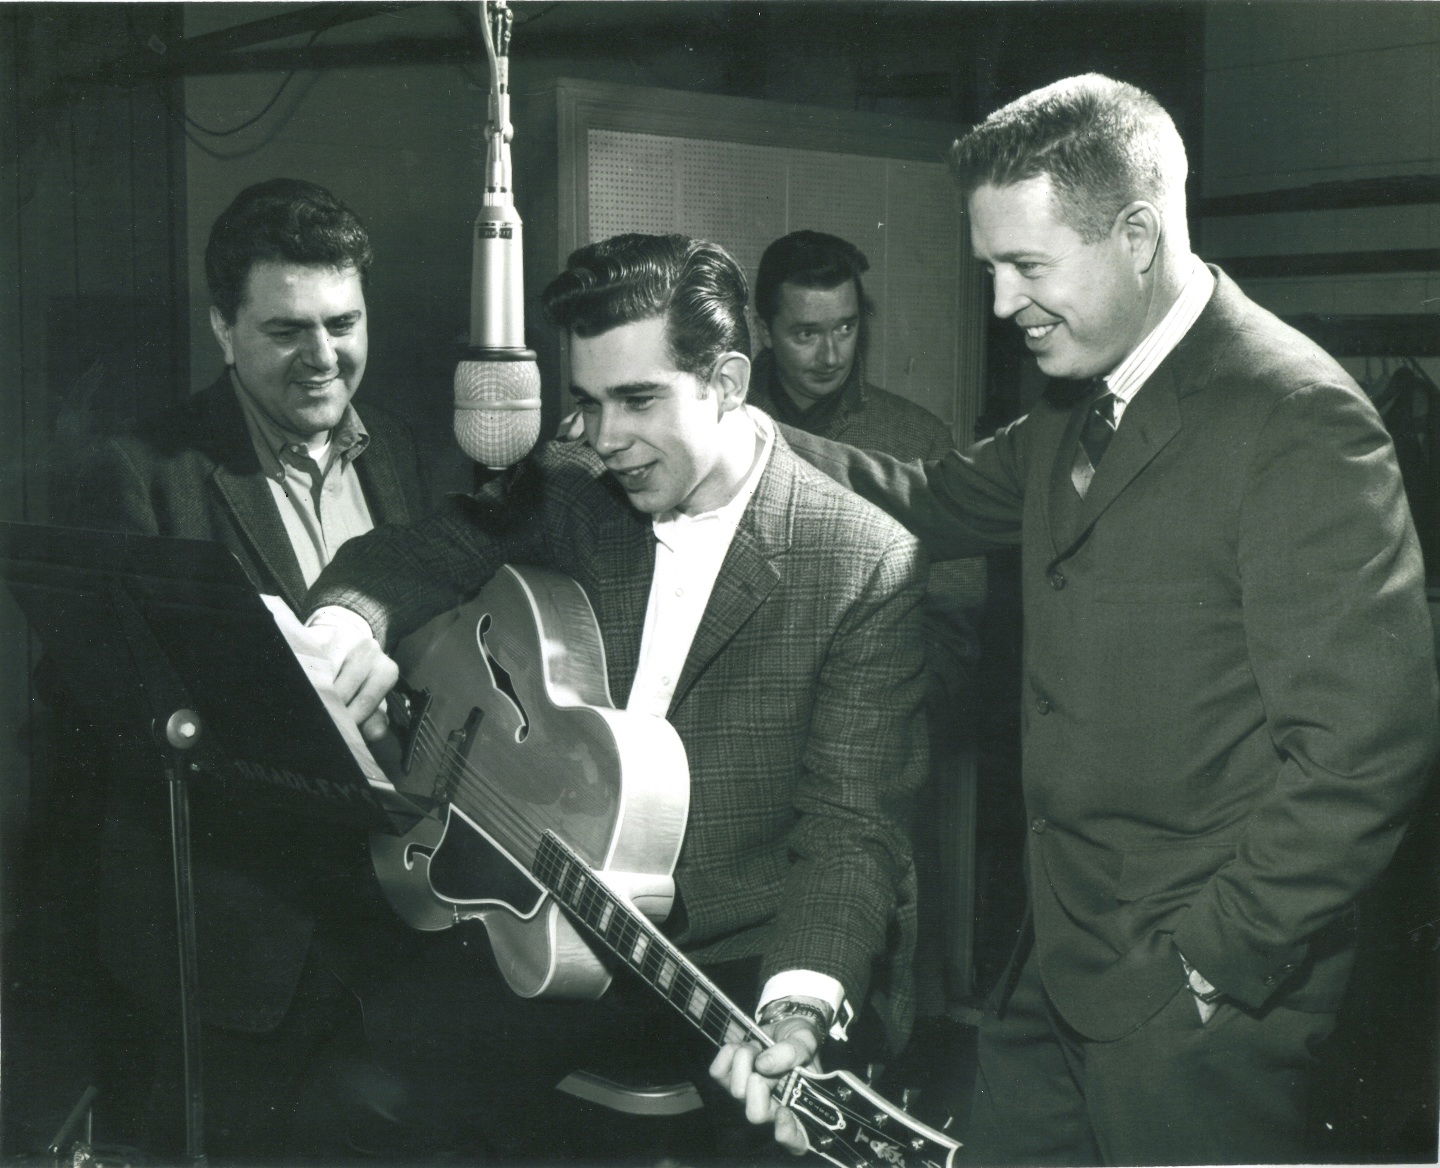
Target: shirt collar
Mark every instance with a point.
(348, 439)
(1127, 378)
(672, 527)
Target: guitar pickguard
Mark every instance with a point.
(469, 870)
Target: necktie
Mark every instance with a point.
(1095, 435)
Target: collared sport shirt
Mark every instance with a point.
(313, 483)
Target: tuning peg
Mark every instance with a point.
(871, 1070)
(908, 1095)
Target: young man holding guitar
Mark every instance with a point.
(769, 616)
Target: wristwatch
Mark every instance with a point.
(782, 1008)
(1199, 986)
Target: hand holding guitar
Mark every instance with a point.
(751, 1074)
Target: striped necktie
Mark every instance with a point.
(1095, 434)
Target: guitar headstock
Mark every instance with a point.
(853, 1126)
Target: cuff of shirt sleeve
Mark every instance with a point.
(806, 983)
(342, 628)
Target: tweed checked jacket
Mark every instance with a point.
(1229, 685)
(798, 704)
(262, 881)
(875, 419)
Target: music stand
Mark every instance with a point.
(168, 639)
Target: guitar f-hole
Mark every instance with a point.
(501, 678)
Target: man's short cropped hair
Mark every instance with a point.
(1103, 144)
(811, 259)
(283, 220)
(695, 285)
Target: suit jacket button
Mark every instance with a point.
(1042, 705)
(1057, 579)
(1038, 824)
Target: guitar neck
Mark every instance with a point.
(631, 937)
(844, 1120)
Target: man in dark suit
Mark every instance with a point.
(273, 461)
(1229, 686)
(771, 616)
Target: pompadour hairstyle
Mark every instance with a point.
(286, 220)
(1103, 143)
(695, 285)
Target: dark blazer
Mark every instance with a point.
(1229, 682)
(192, 473)
(261, 883)
(798, 704)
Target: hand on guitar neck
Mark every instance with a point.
(752, 1073)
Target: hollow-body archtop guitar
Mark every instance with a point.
(559, 818)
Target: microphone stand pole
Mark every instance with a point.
(180, 734)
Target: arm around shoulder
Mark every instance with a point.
(960, 504)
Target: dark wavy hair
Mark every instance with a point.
(695, 285)
(812, 259)
(1103, 143)
(287, 220)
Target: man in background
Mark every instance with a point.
(1229, 680)
(814, 329)
(273, 461)
(814, 321)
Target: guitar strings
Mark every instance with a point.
(502, 808)
(508, 812)
(718, 1012)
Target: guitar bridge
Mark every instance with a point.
(406, 709)
(457, 749)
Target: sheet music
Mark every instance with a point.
(309, 646)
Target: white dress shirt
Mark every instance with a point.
(1127, 378)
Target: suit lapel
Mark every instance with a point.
(375, 469)
(1057, 451)
(1151, 420)
(624, 567)
(748, 574)
(246, 494)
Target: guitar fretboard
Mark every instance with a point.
(630, 935)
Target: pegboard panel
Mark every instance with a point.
(904, 215)
(632, 184)
(924, 252)
(723, 196)
(844, 194)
